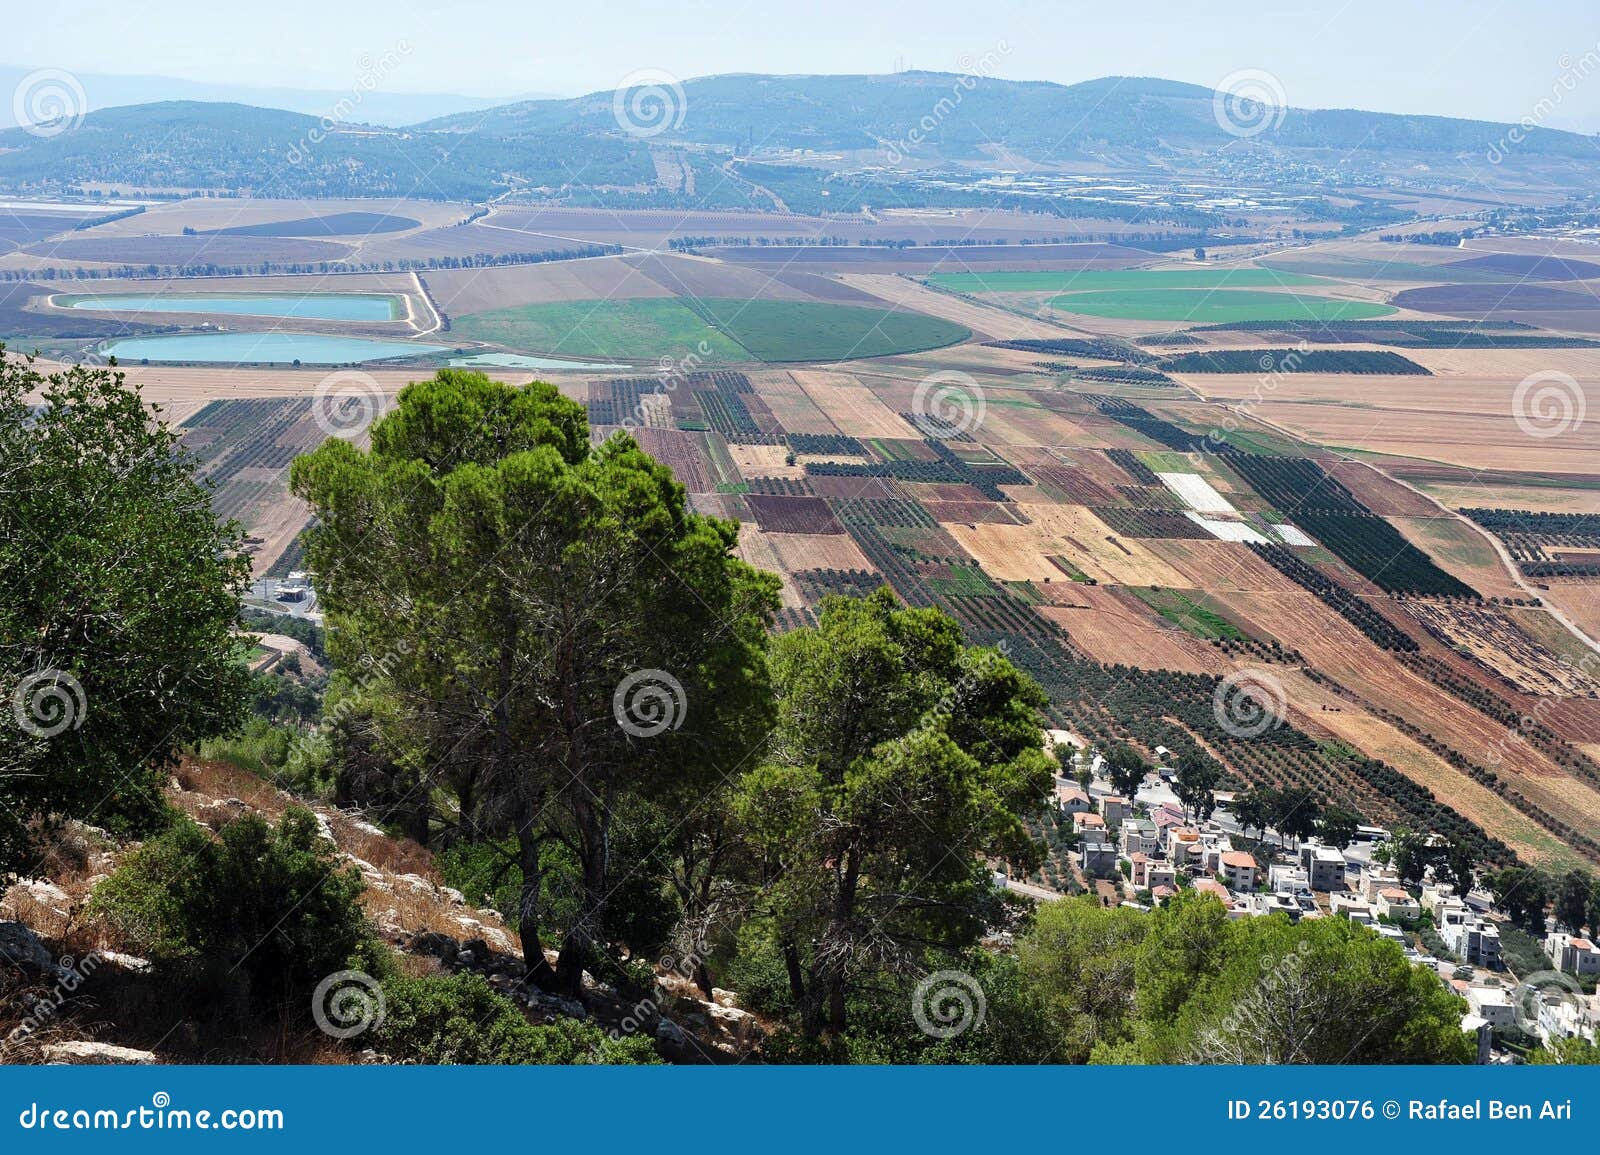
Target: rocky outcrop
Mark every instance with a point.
(91, 1053)
(21, 951)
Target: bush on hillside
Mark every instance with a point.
(460, 1019)
(269, 906)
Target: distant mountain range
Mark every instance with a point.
(906, 119)
(372, 105)
(1037, 119)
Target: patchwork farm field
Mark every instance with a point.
(1078, 514)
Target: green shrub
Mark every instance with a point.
(460, 1019)
(270, 906)
(299, 762)
(487, 874)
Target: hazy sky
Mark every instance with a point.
(1477, 58)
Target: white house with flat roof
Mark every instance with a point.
(1324, 866)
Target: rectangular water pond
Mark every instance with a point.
(311, 306)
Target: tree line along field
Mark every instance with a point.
(1536, 540)
(1401, 334)
(718, 328)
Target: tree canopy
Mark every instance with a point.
(558, 638)
(119, 597)
(900, 757)
(1186, 984)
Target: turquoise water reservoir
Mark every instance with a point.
(313, 306)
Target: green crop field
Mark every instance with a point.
(643, 329)
(816, 331)
(1215, 305)
(731, 329)
(1090, 280)
(1184, 611)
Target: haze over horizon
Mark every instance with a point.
(1481, 63)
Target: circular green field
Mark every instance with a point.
(715, 328)
(1214, 306)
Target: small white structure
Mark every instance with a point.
(1492, 1005)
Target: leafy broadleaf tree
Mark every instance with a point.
(1296, 812)
(1522, 892)
(119, 597)
(900, 758)
(1196, 784)
(1574, 892)
(1126, 768)
(555, 633)
(1337, 827)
